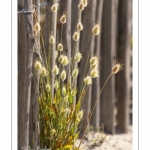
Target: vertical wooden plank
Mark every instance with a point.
(34, 109)
(124, 75)
(108, 47)
(53, 49)
(25, 56)
(65, 7)
(95, 119)
(86, 38)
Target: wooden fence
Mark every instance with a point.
(114, 106)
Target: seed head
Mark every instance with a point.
(80, 115)
(60, 47)
(79, 26)
(66, 61)
(88, 80)
(64, 91)
(117, 68)
(56, 85)
(63, 19)
(54, 8)
(96, 29)
(48, 88)
(75, 73)
(95, 66)
(52, 39)
(37, 65)
(85, 3)
(93, 61)
(94, 73)
(63, 75)
(43, 72)
(37, 27)
(75, 36)
(55, 70)
(81, 6)
(78, 57)
(61, 59)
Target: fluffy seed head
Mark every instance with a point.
(55, 70)
(93, 61)
(95, 66)
(75, 36)
(54, 8)
(52, 39)
(37, 27)
(48, 88)
(85, 3)
(78, 57)
(66, 61)
(60, 47)
(88, 80)
(63, 75)
(94, 73)
(61, 59)
(96, 29)
(56, 85)
(37, 65)
(81, 6)
(43, 72)
(75, 73)
(64, 91)
(79, 26)
(63, 19)
(117, 68)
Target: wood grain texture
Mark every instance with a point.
(25, 56)
(108, 47)
(95, 120)
(86, 38)
(123, 77)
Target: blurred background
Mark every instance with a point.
(114, 44)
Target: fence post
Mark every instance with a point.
(108, 47)
(65, 8)
(95, 120)
(25, 56)
(86, 38)
(123, 79)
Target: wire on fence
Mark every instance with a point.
(34, 6)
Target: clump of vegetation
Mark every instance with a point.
(60, 109)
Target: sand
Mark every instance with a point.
(112, 142)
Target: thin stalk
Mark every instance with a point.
(93, 110)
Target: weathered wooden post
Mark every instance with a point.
(25, 56)
(108, 47)
(95, 120)
(123, 79)
(86, 39)
(65, 8)
(34, 109)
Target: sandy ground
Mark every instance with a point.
(112, 142)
